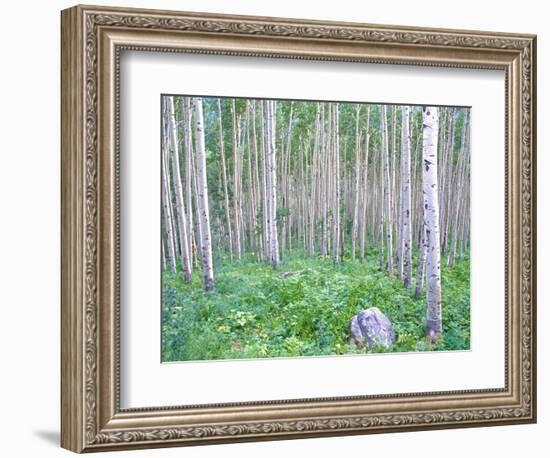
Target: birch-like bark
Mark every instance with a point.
(167, 210)
(431, 221)
(256, 183)
(272, 173)
(250, 183)
(324, 182)
(381, 205)
(365, 189)
(406, 258)
(188, 152)
(421, 268)
(204, 216)
(393, 191)
(336, 190)
(195, 183)
(180, 204)
(314, 193)
(237, 210)
(265, 184)
(225, 187)
(357, 185)
(285, 177)
(387, 193)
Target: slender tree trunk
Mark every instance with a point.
(387, 193)
(284, 184)
(236, 181)
(195, 180)
(406, 198)
(225, 187)
(272, 174)
(324, 183)
(365, 190)
(258, 199)
(204, 216)
(314, 193)
(188, 147)
(431, 222)
(167, 209)
(265, 183)
(180, 204)
(336, 191)
(394, 194)
(357, 186)
(250, 181)
(381, 205)
(163, 255)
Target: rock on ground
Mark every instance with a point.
(371, 327)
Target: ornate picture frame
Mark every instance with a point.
(92, 41)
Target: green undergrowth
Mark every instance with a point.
(302, 309)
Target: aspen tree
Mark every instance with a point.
(335, 141)
(431, 221)
(357, 171)
(204, 209)
(406, 258)
(363, 228)
(188, 177)
(272, 181)
(387, 193)
(167, 209)
(225, 187)
(236, 180)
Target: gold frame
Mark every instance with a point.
(92, 39)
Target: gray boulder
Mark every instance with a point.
(371, 327)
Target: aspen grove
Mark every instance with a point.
(282, 219)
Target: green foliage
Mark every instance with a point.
(302, 309)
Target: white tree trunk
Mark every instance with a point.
(357, 186)
(180, 204)
(237, 180)
(204, 211)
(336, 190)
(431, 221)
(265, 183)
(314, 193)
(167, 210)
(363, 227)
(406, 198)
(272, 182)
(225, 187)
(324, 181)
(163, 255)
(387, 192)
(188, 150)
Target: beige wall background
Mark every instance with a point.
(29, 227)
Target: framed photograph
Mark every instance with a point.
(278, 228)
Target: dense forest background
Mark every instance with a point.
(283, 219)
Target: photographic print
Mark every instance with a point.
(306, 228)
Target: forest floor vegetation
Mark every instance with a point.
(303, 309)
